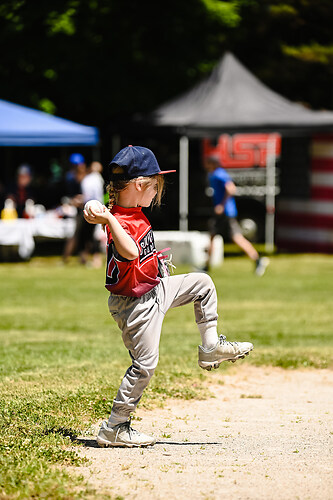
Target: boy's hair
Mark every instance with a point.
(214, 159)
(116, 186)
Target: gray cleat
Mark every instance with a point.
(261, 265)
(122, 435)
(223, 351)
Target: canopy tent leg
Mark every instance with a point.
(270, 196)
(183, 183)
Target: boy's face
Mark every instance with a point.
(209, 165)
(23, 180)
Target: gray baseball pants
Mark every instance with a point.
(140, 320)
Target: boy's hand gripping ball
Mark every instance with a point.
(95, 205)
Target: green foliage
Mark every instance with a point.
(226, 12)
(62, 22)
(47, 106)
(283, 10)
(63, 357)
(310, 53)
(94, 61)
(285, 44)
(131, 55)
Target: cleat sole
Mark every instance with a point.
(208, 365)
(106, 444)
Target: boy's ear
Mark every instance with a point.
(138, 184)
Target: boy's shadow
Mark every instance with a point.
(92, 443)
(87, 442)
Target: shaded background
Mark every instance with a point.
(102, 63)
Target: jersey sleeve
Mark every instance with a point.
(110, 241)
(223, 176)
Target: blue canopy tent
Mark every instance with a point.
(28, 132)
(22, 126)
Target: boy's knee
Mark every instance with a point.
(206, 280)
(146, 368)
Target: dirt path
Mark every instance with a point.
(267, 434)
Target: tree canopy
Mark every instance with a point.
(95, 60)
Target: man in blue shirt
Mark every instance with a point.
(225, 220)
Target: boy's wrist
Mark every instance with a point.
(109, 216)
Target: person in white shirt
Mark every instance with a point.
(92, 186)
(93, 183)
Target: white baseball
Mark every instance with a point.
(95, 205)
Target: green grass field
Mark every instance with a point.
(62, 357)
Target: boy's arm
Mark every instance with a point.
(124, 244)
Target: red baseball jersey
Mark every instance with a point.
(132, 278)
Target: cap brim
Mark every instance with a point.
(167, 171)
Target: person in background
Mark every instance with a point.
(92, 187)
(22, 189)
(93, 183)
(77, 164)
(73, 180)
(55, 185)
(225, 219)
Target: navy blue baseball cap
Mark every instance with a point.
(76, 159)
(136, 161)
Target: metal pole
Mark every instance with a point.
(270, 195)
(183, 183)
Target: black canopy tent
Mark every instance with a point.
(231, 99)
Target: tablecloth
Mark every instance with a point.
(22, 232)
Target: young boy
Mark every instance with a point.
(140, 296)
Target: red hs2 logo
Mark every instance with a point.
(243, 150)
